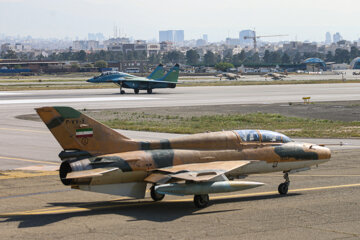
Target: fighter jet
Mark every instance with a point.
(99, 159)
(275, 76)
(155, 80)
(229, 76)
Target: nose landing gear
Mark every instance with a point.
(284, 187)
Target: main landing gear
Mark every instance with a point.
(136, 90)
(156, 196)
(201, 201)
(149, 91)
(284, 187)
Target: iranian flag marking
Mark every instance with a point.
(85, 132)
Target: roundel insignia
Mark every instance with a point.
(84, 141)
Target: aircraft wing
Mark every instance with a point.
(197, 172)
(139, 79)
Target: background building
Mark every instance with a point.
(246, 33)
(328, 38)
(175, 36)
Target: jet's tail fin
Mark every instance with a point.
(157, 73)
(172, 75)
(76, 131)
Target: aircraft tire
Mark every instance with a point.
(122, 92)
(149, 91)
(136, 91)
(201, 201)
(283, 188)
(156, 196)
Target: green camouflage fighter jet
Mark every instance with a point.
(156, 79)
(98, 158)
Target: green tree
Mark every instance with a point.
(88, 65)
(266, 57)
(329, 57)
(285, 59)
(354, 52)
(81, 56)
(342, 56)
(173, 57)
(224, 66)
(209, 59)
(192, 57)
(101, 64)
(154, 58)
(10, 54)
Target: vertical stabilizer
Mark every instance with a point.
(76, 131)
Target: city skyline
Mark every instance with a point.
(143, 20)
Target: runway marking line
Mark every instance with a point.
(24, 130)
(29, 160)
(53, 210)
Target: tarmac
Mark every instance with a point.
(322, 203)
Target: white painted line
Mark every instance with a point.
(9, 93)
(65, 100)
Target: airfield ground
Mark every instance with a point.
(322, 203)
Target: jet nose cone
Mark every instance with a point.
(90, 80)
(324, 153)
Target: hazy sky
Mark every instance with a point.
(301, 20)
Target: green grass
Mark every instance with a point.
(291, 126)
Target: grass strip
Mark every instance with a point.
(291, 126)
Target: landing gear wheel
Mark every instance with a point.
(149, 91)
(283, 188)
(136, 90)
(122, 92)
(156, 196)
(201, 201)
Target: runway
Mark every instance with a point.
(322, 204)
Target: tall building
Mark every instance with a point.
(205, 37)
(246, 33)
(337, 37)
(328, 39)
(175, 36)
(179, 36)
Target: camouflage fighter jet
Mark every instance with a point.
(229, 76)
(156, 79)
(275, 76)
(98, 158)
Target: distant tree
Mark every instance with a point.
(354, 52)
(285, 59)
(209, 59)
(10, 54)
(253, 59)
(81, 56)
(101, 64)
(89, 65)
(224, 66)
(75, 66)
(228, 57)
(154, 58)
(192, 57)
(173, 57)
(297, 58)
(266, 57)
(329, 57)
(342, 56)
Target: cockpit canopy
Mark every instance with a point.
(263, 136)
